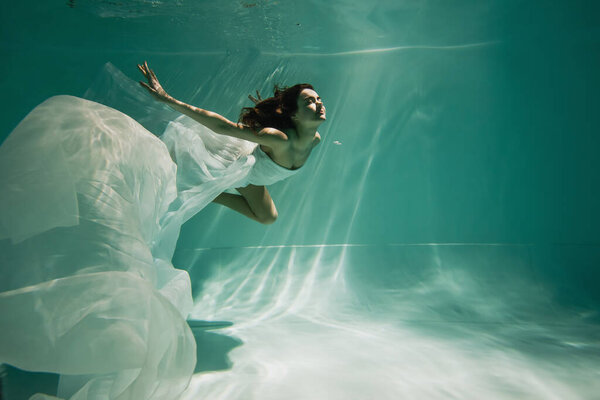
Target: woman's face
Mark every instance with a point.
(310, 108)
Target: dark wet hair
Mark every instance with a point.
(274, 112)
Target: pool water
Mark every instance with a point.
(442, 241)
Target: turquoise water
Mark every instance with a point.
(441, 243)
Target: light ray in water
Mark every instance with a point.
(383, 50)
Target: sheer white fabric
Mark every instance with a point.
(91, 207)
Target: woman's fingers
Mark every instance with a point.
(151, 73)
(150, 89)
(152, 84)
(148, 73)
(148, 70)
(145, 69)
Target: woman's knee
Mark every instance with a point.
(260, 202)
(268, 218)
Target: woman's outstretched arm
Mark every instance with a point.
(213, 121)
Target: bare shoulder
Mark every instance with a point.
(274, 133)
(274, 139)
(267, 136)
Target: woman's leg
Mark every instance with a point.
(255, 202)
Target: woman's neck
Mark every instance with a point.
(304, 136)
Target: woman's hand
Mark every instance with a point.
(153, 86)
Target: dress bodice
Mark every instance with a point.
(265, 171)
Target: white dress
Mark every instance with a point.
(91, 205)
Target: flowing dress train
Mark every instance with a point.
(91, 206)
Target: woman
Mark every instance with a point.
(91, 208)
(284, 126)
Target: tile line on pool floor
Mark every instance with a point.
(295, 246)
(360, 245)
